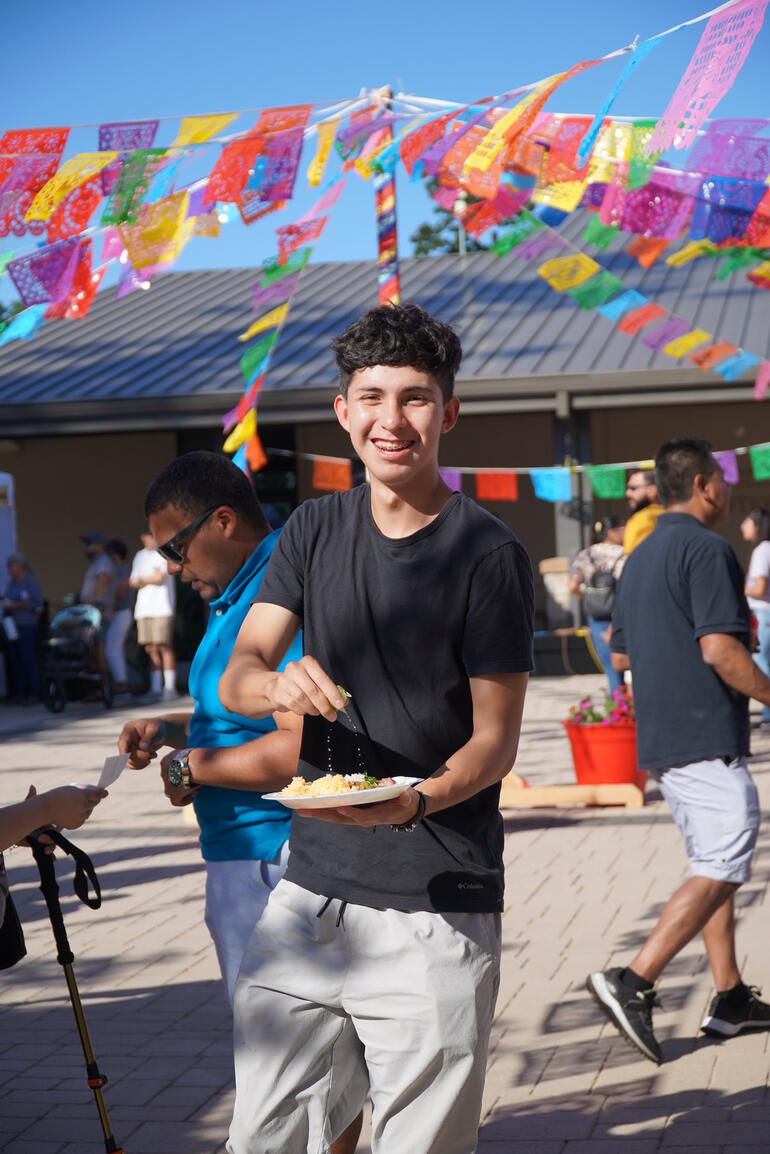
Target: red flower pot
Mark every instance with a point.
(605, 754)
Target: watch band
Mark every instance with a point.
(413, 822)
(181, 756)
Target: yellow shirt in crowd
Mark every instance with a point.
(640, 525)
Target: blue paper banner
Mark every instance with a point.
(637, 56)
(736, 366)
(552, 484)
(24, 324)
(615, 309)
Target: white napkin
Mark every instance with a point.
(113, 767)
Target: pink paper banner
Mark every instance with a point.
(719, 57)
(762, 383)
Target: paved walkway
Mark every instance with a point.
(583, 890)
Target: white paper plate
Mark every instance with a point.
(359, 797)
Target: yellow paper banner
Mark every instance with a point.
(160, 233)
(317, 165)
(242, 432)
(270, 320)
(74, 172)
(197, 129)
(485, 154)
(613, 146)
(566, 272)
(683, 344)
(691, 251)
(564, 195)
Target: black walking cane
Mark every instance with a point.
(84, 872)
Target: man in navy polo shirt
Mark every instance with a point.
(681, 624)
(212, 532)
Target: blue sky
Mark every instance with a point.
(95, 62)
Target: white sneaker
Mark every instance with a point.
(170, 694)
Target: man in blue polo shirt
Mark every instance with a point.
(212, 532)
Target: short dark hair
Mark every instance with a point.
(677, 464)
(115, 545)
(761, 518)
(648, 474)
(399, 335)
(198, 481)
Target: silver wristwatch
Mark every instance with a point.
(179, 769)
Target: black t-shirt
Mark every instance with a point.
(402, 624)
(683, 582)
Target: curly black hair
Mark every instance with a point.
(399, 335)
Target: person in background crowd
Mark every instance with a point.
(23, 603)
(681, 624)
(593, 577)
(154, 613)
(645, 506)
(122, 617)
(99, 582)
(755, 528)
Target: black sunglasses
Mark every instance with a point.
(170, 549)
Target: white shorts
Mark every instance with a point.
(236, 896)
(334, 1000)
(716, 807)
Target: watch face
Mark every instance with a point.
(175, 772)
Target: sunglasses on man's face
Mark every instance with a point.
(170, 549)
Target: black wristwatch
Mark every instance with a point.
(179, 769)
(408, 826)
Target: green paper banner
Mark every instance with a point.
(273, 271)
(760, 462)
(607, 481)
(596, 291)
(523, 226)
(253, 357)
(597, 233)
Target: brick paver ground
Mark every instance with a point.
(584, 887)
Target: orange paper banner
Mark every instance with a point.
(713, 354)
(332, 476)
(636, 320)
(497, 487)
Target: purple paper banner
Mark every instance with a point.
(453, 479)
(276, 292)
(729, 463)
(671, 329)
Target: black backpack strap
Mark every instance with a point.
(84, 868)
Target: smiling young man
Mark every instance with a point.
(420, 604)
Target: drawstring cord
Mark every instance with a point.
(340, 915)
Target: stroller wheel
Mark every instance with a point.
(108, 693)
(53, 694)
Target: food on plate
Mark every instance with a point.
(332, 783)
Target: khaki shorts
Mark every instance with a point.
(155, 630)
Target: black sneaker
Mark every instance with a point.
(724, 1019)
(630, 1011)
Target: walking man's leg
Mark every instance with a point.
(715, 806)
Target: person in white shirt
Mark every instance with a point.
(154, 613)
(755, 528)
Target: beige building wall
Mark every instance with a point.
(66, 486)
